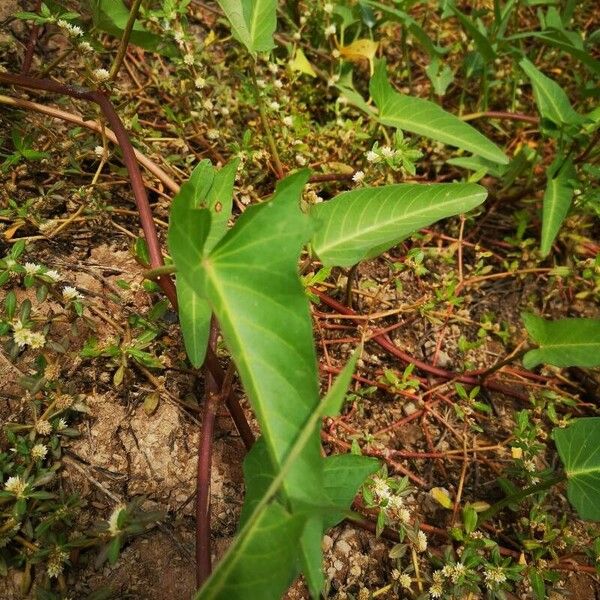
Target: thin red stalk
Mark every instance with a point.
(33, 36)
(388, 345)
(212, 399)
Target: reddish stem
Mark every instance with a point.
(33, 36)
(388, 345)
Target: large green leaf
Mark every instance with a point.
(111, 16)
(556, 204)
(213, 190)
(579, 449)
(563, 343)
(552, 101)
(263, 564)
(250, 280)
(426, 118)
(362, 223)
(253, 22)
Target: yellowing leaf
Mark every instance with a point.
(516, 452)
(151, 403)
(300, 64)
(211, 38)
(360, 50)
(442, 497)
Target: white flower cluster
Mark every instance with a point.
(494, 576)
(70, 294)
(15, 485)
(385, 152)
(71, 30)
(56, 562)
(23, 336)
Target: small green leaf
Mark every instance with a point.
(563, 343)
(151, 403)
(426, 118)
(111, 16)
(363, 223)
(253, 22)
(578, 446)
(556, 204)
(552, 102)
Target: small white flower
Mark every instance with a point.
(199, 83)
(62, 24)
(278, 83)
(328, 8)
(75, 30)
(37, 340)
(335, 53)
(494, 576)
(61, 425)
(212, 134)
(261, 83)
(273, 68)
(208, 104)
(39, 451)
(245, 199)
(330, 30)
(529, 466)
(300, 160)
(358, 176)
(31, 268)
(189, 59)
(70, 293)
(15, 485)
(101, 74)
(372, 156)
(21, 337)
(274, 105)
(53, 274)
(85, 47)
(436, 590)
(43, 427)
(421, 542)
(178, 36)
(99, 151)
(404, 515)
(457, 572)
(387, 152)
(56, 563)
(288, 121)
(297, 35)
(405, 581)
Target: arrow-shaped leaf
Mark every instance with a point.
(557, 201)
(563, 343)
(253, 22)
(579, 449)
(362, 223)
(426, 118)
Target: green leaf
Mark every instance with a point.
(211, 190)
(263, 564)
(556, 204)
(253, 22)
(427, 119)
(111, 16)
(362, 223)
(342, 477)
(563, 343)
(551, 100)
(579, 450)
(250, 280)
